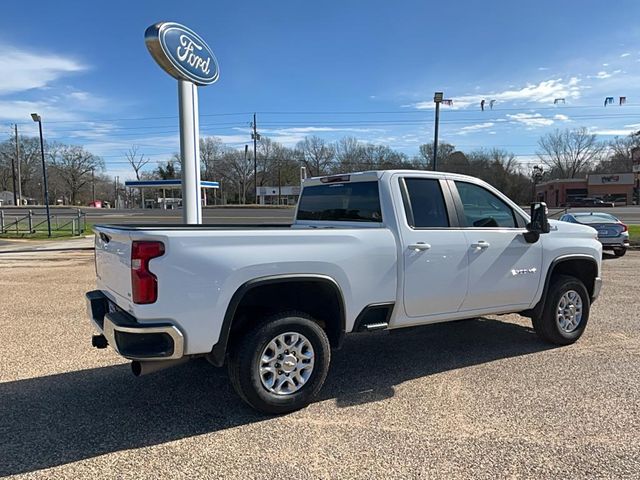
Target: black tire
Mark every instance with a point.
(244, 359)
(619, 252)
(547, 325)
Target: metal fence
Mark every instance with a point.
(33, 222)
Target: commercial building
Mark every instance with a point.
(6, 198)
(284, 195)
(616, 187)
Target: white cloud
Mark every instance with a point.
(20, 110)
(613, 131)
(531, 119)
(475, 128)
(561, 117)
(625, 55)
(543, 92)
(23, 70)
(604, 74)
(542, 69)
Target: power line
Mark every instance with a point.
(342, 112)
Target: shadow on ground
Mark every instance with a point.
(59, 419)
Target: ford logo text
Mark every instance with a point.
(182, 53)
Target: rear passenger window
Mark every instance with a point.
(425, 206)
(483, 209)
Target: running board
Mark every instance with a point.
(376, 326)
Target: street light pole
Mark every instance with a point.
(37, 118)
(437, 98)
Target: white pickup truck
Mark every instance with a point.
(367, 251)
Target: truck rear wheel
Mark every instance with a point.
(566, 311)
(281, 365)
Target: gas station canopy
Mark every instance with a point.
(175, 183)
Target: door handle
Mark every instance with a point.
(419, 246)
(480, 245)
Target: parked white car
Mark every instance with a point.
(367, 251)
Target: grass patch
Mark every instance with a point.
(43, 234)
(634, 234)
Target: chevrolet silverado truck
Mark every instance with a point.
(366, 251)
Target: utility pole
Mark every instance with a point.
(255, 136)
(13, 177)
(93, 186)
(279, 184)
(18, 165)
(437, 98)
(244, 183)
(115, 202)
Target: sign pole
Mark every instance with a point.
(184, 55)
(190, 152)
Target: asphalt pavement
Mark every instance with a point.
(475, 399)
(209, 215)
(248, 214)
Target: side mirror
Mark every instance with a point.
(539, 222)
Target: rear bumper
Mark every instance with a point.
(133, 340)
(614, 242)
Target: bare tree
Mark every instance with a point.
(136, 160)
(237, 170)
(425, 155)
(349, 154)
(619, 159)
(381, 157)
(317, 155)
(569, 153)
(73, 165)
(211, 151)
(266, 158)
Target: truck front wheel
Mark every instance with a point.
(566, 311)
(281, 365)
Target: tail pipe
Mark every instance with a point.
(139, 368)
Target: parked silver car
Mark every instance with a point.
(612, 233)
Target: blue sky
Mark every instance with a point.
(306, 67)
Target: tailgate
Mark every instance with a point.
(113, 260)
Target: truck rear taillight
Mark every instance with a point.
(144, 284)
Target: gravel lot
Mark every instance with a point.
(481, 399)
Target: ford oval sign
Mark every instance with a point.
(182, 53)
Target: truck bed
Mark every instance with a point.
(184, 226)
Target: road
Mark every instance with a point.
(629, 215)
(209, 215)
(476, 399)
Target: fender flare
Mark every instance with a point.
(219, 350)
(539, 307)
